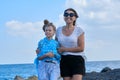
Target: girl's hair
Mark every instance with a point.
(47, 24)
(76, 15)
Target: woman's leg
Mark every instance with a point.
(77, 77)
(67, 78)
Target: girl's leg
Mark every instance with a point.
(54, 71)
(42, 74)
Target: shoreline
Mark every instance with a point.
(105, 74)
(33, 63)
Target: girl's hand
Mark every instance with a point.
(49, 54)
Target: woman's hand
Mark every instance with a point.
(61, 49)
(37, 51)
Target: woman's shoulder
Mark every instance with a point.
(79, 30)
(59, 28)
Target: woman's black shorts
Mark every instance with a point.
(71, 65)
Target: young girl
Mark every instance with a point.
(47, 61)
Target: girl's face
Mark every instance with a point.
(49, 32)
(69, 17)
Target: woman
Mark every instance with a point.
(71, 39)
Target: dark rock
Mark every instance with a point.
(18, 78)
(106, 69)
(105, 75)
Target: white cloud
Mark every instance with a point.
(98, 45)
(91, 14)
(25, 29)
(61, 21)
(76, 3)
(99, 12)
(102, 50)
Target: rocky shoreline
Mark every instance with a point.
(105, 74)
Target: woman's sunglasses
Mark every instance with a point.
(69, 14)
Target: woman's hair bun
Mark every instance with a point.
(46, 21)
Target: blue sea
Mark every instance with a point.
(9, 71)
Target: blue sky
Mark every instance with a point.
(21, 27)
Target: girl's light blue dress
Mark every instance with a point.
(48, 71)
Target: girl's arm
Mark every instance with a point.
(49, 54)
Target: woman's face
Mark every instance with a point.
(69, 17)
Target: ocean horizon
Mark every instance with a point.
(25, 70)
